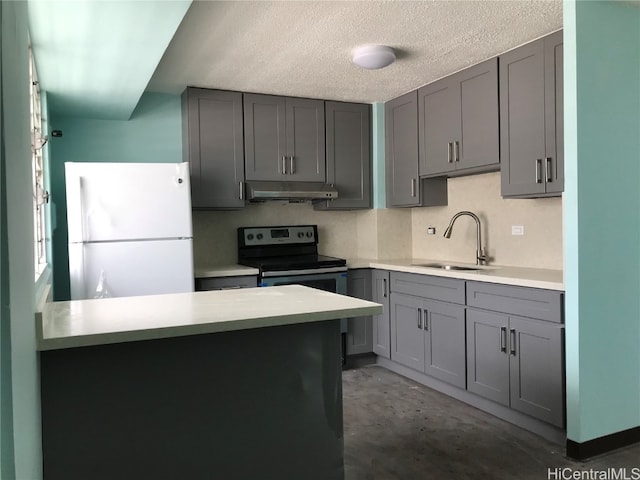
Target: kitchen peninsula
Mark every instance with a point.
(229, 384)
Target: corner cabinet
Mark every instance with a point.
(458, 122)
(213, 146)
(348, 148)
(284, 138)
(531, 119)
(404, 187)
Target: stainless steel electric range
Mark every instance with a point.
(286, 255)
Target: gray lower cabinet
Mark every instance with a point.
(458, 122)
(226, 283)
(404, 187)
(284, 138)
(359, 330)
(381, 323)
(348, 142)
(429, 336)
(531, 119)
(213, 146)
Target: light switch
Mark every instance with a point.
(431, 230)
(517, 229)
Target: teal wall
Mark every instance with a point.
(379, 184)
(20, 441)
(153, 134)
(602, 224)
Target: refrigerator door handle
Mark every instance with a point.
(75, 211)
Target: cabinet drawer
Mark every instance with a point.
(522, 301)
(226, 283)
(427, 286)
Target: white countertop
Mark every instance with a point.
(224, 271)
(518, 276)
(114, 320)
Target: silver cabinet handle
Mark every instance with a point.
(539, 170)
(503, 339)
(384, 287)
(292, 170)
(420, 318)
(426, 321)
(513, 341)
(548, 170)
(456, 149)
(413, 187)
(240, 190)
(449, 152)
(284, 165)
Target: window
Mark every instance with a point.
(40, 195)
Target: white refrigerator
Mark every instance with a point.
(129, 229)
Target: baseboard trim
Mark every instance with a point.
(545, 430)
(600, 445)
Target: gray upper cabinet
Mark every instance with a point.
(284, 138)
(381, 322)
(531, 126)
(359, 329)
(458, 122)
(213, 146)
(348, 136)
(404, 188)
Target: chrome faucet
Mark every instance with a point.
(481, 256)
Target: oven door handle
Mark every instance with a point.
(309, 271)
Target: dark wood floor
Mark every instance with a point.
(396, 429)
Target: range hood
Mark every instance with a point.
(289, 191)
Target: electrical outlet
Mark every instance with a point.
(431, 230)
(517, 229)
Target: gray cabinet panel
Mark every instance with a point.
(407, 337)
(213, 146)
(487, 360)
(458, 122)
(427, 286)
(226, 283)
(531, 126)
(264, 136)
(381, 322)
(348, 137)
(359, 329)
(305, 140)
(444, 328)
(536, 365)
(401, 125)
(522, 301)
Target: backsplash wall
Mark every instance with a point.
(539, 247)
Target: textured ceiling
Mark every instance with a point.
(303, 48)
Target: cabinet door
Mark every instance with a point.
(445, 353)
(487, 357)
(438, 126)
(478, 112)
(536, 366)
(407, 336)
(265, 137)
(554, 107)
(213, 146)
(305, 140)
(359, 334)
(381, 322)
(348, 135)
(401, 125)
(522, 119)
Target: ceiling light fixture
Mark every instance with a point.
(373, 57)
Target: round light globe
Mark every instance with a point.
(373, 57)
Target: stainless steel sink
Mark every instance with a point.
(445, 266)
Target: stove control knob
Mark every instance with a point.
(300, 234)
(309, 234)
(250, 236)
(259, 236)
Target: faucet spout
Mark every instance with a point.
(481, 257)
